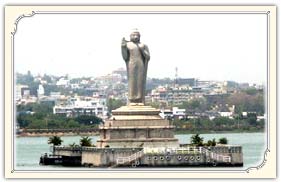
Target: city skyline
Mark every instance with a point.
(107, 74)
(209, 47)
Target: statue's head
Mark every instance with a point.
(135, 36)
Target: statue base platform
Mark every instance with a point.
(136, 126)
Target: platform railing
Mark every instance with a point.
(193, 150)
(215, 156)
(131, 158)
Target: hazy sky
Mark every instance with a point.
(204, 46)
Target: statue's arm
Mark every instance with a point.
(146, 53)
(124, 49)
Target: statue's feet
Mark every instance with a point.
(136, 104)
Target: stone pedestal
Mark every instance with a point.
(136, 126)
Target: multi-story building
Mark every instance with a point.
(82, 106)
(23, 95)
(173, 95)
(174, 113)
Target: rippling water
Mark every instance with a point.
(29, 149)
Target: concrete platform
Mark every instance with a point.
(135, 126)
(225, 155)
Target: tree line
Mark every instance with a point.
(246, 100)
(249, 123)
(40, 116)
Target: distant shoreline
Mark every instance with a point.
(45, 134)
(48, 134)
(215, 132)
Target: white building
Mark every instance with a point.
(78, 106)
(173, 113)
(226, 114)
(261, 117)
(40, 91)
(166, 113)
(178, 113)
(63, 82)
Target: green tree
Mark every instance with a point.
(72, 124)
(88, 120)
(252, 119)
(198, 104)
(55, 140)
(24, 108)
(37, 124)
(42, 108)
(251, 91)
(223, 141)
(223, 123)
(22, 120)
(155, 104)
(261, 123)
(86, 141)
(24, 79)
(74, 145)
(250, 100)
(212, 142)
(197, 140)
(207, 124)
(114, 104)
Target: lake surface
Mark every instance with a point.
(29, 149)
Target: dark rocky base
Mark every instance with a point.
(60, 160)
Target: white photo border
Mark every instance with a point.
(268, 11)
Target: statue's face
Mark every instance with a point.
(135, 37)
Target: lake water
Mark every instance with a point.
(29, 149)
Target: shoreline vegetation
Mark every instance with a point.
(45, 134)
(95, 133)
(178, 132)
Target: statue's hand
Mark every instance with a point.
(124, 42)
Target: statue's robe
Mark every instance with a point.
(136, 57)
